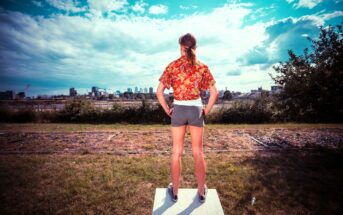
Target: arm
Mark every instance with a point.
(212, 99)
(162, 100)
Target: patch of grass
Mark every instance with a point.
(282, 183)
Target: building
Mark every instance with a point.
(257, 93)
(72, 92)
(129, 90)
(145, 90)
(136, 89)
(95, 91)
(7, 95)
(20, 96)
(151, 90)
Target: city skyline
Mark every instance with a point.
(53, 45)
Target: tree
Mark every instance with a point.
(313, 83)
(227, 95)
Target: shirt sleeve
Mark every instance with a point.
(166, 77)
(207, 79)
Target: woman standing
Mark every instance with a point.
(188, 77)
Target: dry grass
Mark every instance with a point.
(297, 182)
(65, 127)
(283, 182)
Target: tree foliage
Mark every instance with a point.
(313, 82)
(227, 95)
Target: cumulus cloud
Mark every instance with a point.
(183, 7)
(332, 15)
(65, 5)
(37, 3)
(107, 5)
(123, 53)
(158, 9)
(305, 3)
(139, 6)
(283, 35)
(132, 50)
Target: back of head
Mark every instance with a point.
(189, 41)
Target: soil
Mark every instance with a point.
(123, 141)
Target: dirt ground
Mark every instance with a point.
(115, 169)
(123, 141)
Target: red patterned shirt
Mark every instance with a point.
(187, 80)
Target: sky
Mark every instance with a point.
(53, 45)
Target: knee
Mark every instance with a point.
(177, 154)
(198, 154)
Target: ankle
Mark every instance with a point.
(175, 192)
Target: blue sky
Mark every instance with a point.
(115, 44)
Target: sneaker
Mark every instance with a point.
(202, 198)
(171, 193)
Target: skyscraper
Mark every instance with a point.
(151, 90)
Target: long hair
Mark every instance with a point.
(189, 41)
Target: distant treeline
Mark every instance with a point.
(312, 86)
(84, 111)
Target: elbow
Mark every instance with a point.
(214, 93)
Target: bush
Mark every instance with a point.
(78, 110)
(243, 112)
(84, 111)
(20, 116)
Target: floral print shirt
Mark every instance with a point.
(187, 80)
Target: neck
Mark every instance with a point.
(183, 53)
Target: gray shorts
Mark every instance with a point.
(187, 115)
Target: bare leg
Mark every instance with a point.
(178, 134)
(198, 154)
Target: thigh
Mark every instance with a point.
(178, 135)
(196, 137)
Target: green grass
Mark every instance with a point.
(286, 183)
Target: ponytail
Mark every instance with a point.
(191, 54)
(189, 41)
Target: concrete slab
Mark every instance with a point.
(188, 203)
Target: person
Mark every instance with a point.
(188, 77)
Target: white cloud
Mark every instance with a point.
(133, 50)
(332, 15)
(158, 9)
(37, 3)
(66, 5)
(123, 53)
(107, 5)
(183, 7)
(305, 3)
(139, 6)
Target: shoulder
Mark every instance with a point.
(201, 66)
(175, 62)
